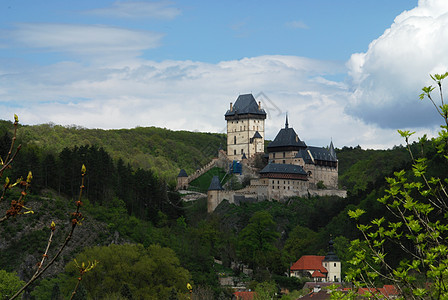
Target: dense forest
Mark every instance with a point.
(134, 219)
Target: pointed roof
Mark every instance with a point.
(215, 185)
(286, 137)
(244, 105)
(257, 135)
(182, 173)
(332, 151)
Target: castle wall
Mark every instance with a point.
(328, 175)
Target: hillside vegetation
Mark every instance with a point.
(161, 150)
(128, 200)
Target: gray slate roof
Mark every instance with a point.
(305, 156)
(257, 135)
(287, 137)
(283, 168)
(245, 104)
(215, 185)
(331, 255)
(182, 173)
(320, 153)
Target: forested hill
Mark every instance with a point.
(165, 151)
(161, 150)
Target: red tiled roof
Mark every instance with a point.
(386, 290)
(244, 295)
(318, 273)
(309, 262)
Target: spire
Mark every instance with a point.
(286, 123)
(332, 151)
(331, 255)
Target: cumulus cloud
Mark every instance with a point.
(387, 79)
(187, 95)
(86, 40)
(138, 9)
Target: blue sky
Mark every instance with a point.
(345, 70)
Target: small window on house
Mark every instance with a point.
(335, 264)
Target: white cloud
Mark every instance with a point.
(139, 9)
(87, 40)
(297, 24)
(190, 95)
(387, 79)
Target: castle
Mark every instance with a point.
(293, 169)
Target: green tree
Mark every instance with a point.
(265, 290)
(257, 240)
(149, 273)
(416, 226)
(301, 241)
(9, 284)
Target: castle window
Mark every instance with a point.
(335, 264)
(234, 139)
(273, 155)
(283, 161)
(241, 128)
(283, 154)
(242, 151)
(234, 152)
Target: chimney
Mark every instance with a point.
(259, 105)
(231, 107)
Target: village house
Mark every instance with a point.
(319, 268)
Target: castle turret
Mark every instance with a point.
(245, 127)
(182, 180)
(213, 194)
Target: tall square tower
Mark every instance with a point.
(245, 127)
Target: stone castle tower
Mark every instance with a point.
(245, 128)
